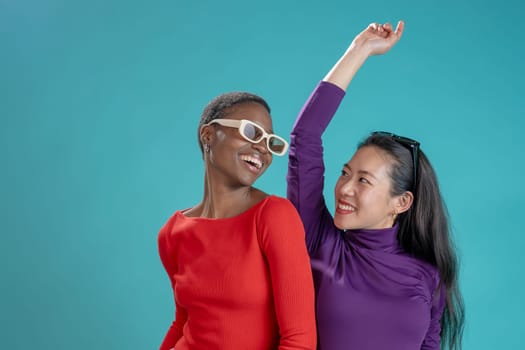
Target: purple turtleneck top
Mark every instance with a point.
(370, 294)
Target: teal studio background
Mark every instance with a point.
(99, 106)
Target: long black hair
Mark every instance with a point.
(424, 230)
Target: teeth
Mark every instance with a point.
(253, 160)
(345, 207)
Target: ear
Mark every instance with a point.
(403, 202)
(206, 134)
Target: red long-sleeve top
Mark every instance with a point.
(240, 283)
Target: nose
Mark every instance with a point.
(347, 188)
(261, 146)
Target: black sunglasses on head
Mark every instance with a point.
(412, 145)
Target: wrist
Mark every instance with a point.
(358, 51)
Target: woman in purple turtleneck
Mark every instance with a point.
(384, 268)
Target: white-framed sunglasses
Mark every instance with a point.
(255, 133)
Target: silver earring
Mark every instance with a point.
(207, 147)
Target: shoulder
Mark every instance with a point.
(276, 205)
(278, 224)
(279, 214)
(430, 274)
(167, 228)
(436, 289)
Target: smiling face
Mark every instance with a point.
(363, 197)
(231, 158)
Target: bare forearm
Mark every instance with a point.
(346, 67)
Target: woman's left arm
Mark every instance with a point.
(432, 339)
(281, 237)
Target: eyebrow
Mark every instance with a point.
(363, 172)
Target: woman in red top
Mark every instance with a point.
(237, 260)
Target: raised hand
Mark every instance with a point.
(377, 39)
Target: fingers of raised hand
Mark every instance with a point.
(380, 38)
(390, 33)
(382, 30)
(399, 29)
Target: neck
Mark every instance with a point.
(221, 200)
(376, 239)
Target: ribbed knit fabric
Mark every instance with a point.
(241, 283)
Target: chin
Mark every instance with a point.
(340, 224)
(249, 180)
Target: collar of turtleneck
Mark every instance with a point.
(384, 239)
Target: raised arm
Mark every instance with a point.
(305, 176)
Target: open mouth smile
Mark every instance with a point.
(253, 162)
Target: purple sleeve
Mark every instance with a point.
(433, 338)
(305, 176)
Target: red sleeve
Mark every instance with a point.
(175, 331)
(168, 260)
(281, 236)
